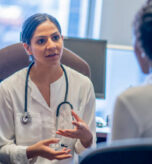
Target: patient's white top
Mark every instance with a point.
(132, 116)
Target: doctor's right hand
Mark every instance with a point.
(42, 148)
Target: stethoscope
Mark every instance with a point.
(26, 117)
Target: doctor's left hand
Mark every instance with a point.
(81, 131)
(43, 149)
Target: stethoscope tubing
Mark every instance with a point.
(26, 87)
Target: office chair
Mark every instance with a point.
(14, 58)
(138, 151)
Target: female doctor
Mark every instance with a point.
(41, 106)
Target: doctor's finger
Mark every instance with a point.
(67, 150)
(78, 124)
(57, 155)
(64, 156)
(76, 116)
(60, 152)
(68, 133)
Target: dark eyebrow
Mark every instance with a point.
(55, 33)
(44, 36)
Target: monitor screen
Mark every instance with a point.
(94, 53)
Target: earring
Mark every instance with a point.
(31, 58)
(143, 55)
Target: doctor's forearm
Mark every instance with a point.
(31, 152)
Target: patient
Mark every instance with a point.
(132, 117)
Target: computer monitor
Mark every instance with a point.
(94, 52)
(119, 77)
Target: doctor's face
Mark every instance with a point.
(46, 44)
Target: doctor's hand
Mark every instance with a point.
(42, 148)
(81, 131)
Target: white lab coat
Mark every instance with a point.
(15, 137)
(132, 117)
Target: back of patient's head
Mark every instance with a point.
(143, 28)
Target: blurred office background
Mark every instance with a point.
(109, 20)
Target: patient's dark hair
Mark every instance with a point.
(31, 23)
(142, 26)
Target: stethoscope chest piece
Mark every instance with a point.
(26, 118)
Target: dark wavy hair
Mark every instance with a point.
(142, 27)
(31, 23)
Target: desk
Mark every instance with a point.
(102, 134)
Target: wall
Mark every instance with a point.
(117, 17)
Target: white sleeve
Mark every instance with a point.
(9, 151)
(88, 117)
(124, 125)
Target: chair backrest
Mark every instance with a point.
(122, 152)
(14, 58)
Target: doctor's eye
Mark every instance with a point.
(56, 37)
(41, 41)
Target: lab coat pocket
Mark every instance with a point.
(30, 133)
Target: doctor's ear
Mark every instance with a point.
(27, 48)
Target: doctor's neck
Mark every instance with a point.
(44, 73)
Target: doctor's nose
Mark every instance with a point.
(51, 44)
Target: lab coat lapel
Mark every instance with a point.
(36, 95)
(57, 92)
